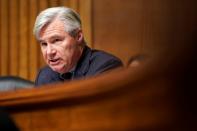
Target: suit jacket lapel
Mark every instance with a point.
(84, 63)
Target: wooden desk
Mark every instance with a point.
(142, 98)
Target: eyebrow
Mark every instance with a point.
(40, 41)
(55, 36)
(50, 38)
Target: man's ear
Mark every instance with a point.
(79, 37)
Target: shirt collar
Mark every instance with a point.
(68, 75)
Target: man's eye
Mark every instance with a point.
(43, 44)
(56, 40)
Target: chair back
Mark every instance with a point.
(10, 83)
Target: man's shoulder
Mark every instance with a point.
(46, 69)
(46, 75)
(101, 56)
(100, 61)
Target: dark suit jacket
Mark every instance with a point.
(92, 62)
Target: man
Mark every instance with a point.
(58, 30)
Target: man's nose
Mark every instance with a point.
(50, 50)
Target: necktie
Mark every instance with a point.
(66, 76)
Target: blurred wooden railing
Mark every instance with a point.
(139, 98)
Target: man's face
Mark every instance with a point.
(60, 50)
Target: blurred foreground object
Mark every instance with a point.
(158, 95)
(11, 83)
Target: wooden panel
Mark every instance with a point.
(118, 27)
(33, 45)
(74, 4)
(140, 26)
(64, 2)
(0, 36)
(53, 3)
(23, 37)
(4, 37)
(14, 35)
(43, 4)
(168, 25)
(85, 11)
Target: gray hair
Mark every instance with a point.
(70, 18)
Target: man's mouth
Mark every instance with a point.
(54, 61)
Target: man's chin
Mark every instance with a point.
(58, 69)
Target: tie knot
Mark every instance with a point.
(66, 76)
